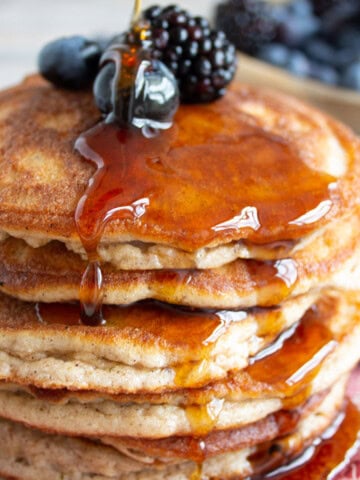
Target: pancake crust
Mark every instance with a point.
(38, 126)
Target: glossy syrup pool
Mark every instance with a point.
(199, 192)
(325, 459)
(193, 194)
(328, 456)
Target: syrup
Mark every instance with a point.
(197, 473)
(328, 456)
(199, 449)
(137, 12)
(287, 367)
(199, 193)
(246, 186)
(192, 333)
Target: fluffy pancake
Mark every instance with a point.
(283, 377)
(32, 455)
(51, 273)
(38, 126)
(140, 359)
(143, 346)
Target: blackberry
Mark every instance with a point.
(249, 24)
(321, 7)
(202, 60)
(335, 14)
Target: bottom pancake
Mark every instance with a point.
(28, 454)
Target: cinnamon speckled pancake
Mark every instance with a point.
(51, 273)
(28, 454)
(322, 349)
(143, 346)
(42, 177)
(147, 355)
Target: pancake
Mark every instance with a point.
(225, 252)
(52, 274)
(29, 454)
(39, 124)
(141, 348)
(283, 377)
(137, 358)
(97, 417)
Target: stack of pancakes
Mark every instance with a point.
(231, 328)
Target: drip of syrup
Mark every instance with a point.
(287, 367)
(197, 472)
(328, 456)
(117, 153)
(137, 11)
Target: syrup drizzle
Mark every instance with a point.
(137, 11)
(155, 182)
(140, 181)
(287, 367)
(117, 153)
(328, 456)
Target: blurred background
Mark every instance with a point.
(26, 25)
(308, 48)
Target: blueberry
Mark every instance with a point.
(70, 62)
(275, 53)
(320, 50)
(351, 76)
(349, 37)
(338, 15)
(155, 95)
(298, 64)
(324, 73)
(103, 87)
(300, 8)
(294, 30)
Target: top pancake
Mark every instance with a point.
(254, 165)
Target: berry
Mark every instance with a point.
(70, 62)
(196, 55)
(157, 95)
(275, 53)
(154, 96)
(320, 50)
(103, 87)
(322, 7)
(324, 73)
(247, 23)
(298, 64)
(334, 13)
(351, 76)
(349, 36)
(297, 23)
